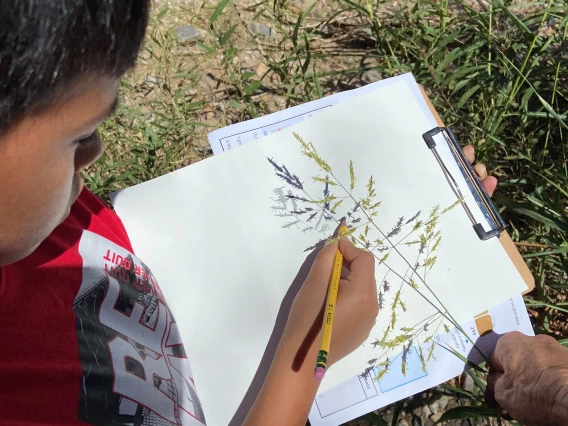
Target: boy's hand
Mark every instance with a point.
(530, 380)
(355, 314)
(291, 377)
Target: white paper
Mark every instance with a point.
(239, 134)
(225, 263)
(361, 395)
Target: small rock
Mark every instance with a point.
(266, 97)
(440, 404)
(181, 50)
(261, 69)
(554, 21)
(280, 102)
(422, 412)
(153, 80)
(251, 59)
(297, 4)
(371, 76)
(188, 33)
(295, 9)
(261, 30)
(436, 417)
(466, 382)
(208, 81)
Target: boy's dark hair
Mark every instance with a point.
(45, 45)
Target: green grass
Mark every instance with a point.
(497, 74)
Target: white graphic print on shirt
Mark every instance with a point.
(135, 369)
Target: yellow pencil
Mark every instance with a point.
(321, 362)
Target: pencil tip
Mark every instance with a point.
(319, 373)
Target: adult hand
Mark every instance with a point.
(489, 182)
(530, 381)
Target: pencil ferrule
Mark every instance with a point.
(322, 359)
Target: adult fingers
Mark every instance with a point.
(505, 348)
(481, 170)
(497, 359)
(469, 153)
(490, 399)
(490, 184)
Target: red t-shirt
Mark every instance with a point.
(85, 334)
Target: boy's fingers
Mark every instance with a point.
(348, 250)
(321, 268)
(359, 260)
(469, 153)
(344, 271)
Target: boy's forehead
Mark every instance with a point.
(87, 105)
(74, 115)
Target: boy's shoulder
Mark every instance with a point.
(84, 309)
(89, 214)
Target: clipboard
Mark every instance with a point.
(492, 216)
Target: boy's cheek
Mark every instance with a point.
(35, 201)
(27, 227)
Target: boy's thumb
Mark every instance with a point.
(349, 251)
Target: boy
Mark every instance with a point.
(85, 332)
(86, 336)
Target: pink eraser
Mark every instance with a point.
(319, 373)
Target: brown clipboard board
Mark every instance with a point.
(504, 239)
